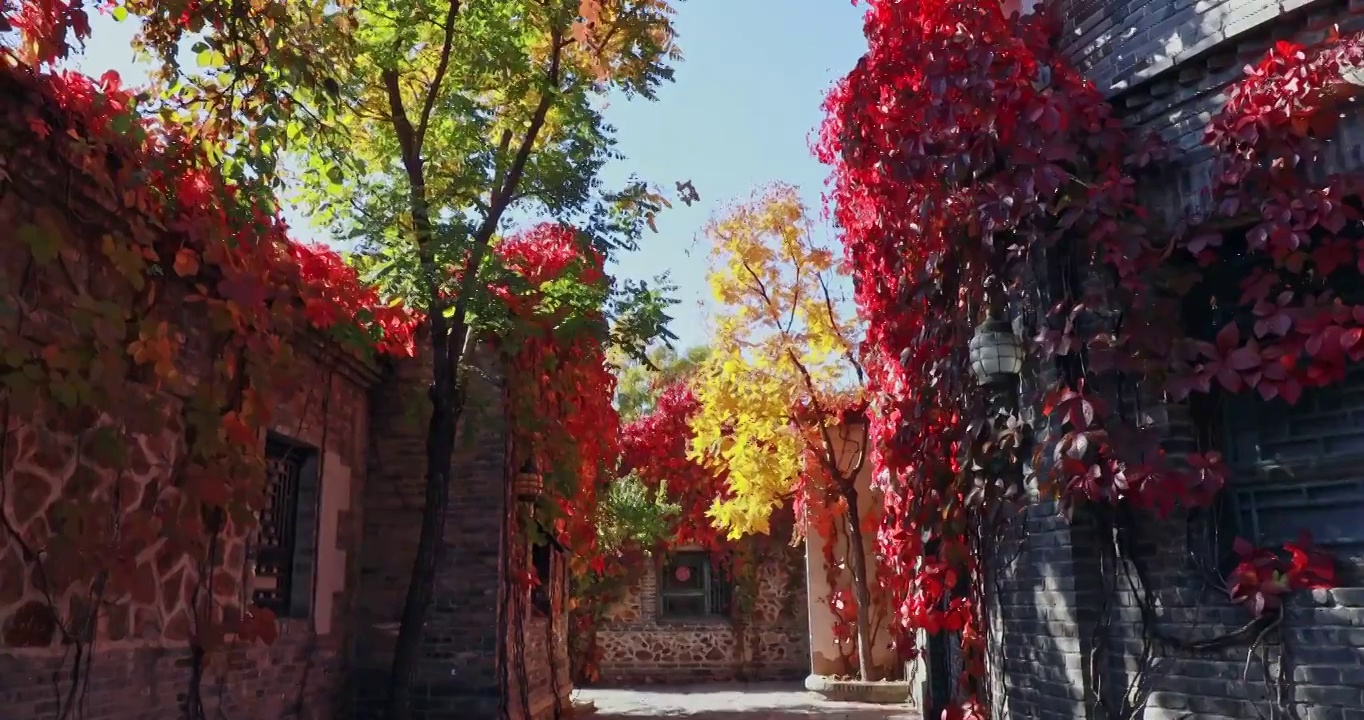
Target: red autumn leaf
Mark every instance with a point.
(1229, 378)
(186, 262)
(1244, 358)
(1228, 338)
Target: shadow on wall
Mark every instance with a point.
(1038, 653)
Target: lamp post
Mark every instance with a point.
(996, 362)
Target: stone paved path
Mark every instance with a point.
(732, 702)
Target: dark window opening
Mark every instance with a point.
(1291, 467)
(541, 595)
(691, 587)
(285, 547)
(1300, 467)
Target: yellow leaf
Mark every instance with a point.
(781, 340)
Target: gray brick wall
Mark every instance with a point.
(1036, 614)
(1036, 591)
(1123, 44)
(1167, 64)
(1059, 605)
(1048, 598)
(458, 674)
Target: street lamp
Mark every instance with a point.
(995, 352)
(529, 482)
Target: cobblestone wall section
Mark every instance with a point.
(639, 647)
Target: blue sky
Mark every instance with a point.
(741, 113)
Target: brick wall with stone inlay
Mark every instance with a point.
(140, 662)
(639, 646)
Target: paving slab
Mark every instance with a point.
(756, 701)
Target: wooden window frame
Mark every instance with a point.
(1268, 498)
(716, 592)
(285, 570)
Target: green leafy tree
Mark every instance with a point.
(632, 514)
(639, 379)
(418, 127)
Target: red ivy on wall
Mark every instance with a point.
(966, 150)
(191, 235)
(560, 385)
(261, 271)
(224, 247)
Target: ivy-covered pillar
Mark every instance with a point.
(828, 655)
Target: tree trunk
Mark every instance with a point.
(447, 404)
(857, 562)
(448, 346)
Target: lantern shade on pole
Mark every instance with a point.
(995, 352)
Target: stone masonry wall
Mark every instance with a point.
(463, 672)
(640, 647)
(138, 662)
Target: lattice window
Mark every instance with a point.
(1294, 467)
(1301, 467)
(285, 544)
(690, 587)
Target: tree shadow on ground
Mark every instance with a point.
(751, 701)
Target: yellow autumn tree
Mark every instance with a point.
(782, 373)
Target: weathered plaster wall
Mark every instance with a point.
(827, 655)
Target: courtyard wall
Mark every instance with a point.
(1167, 65)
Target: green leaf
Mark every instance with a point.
(44, 243)
(122, 123)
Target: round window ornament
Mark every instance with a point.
(682, 573)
